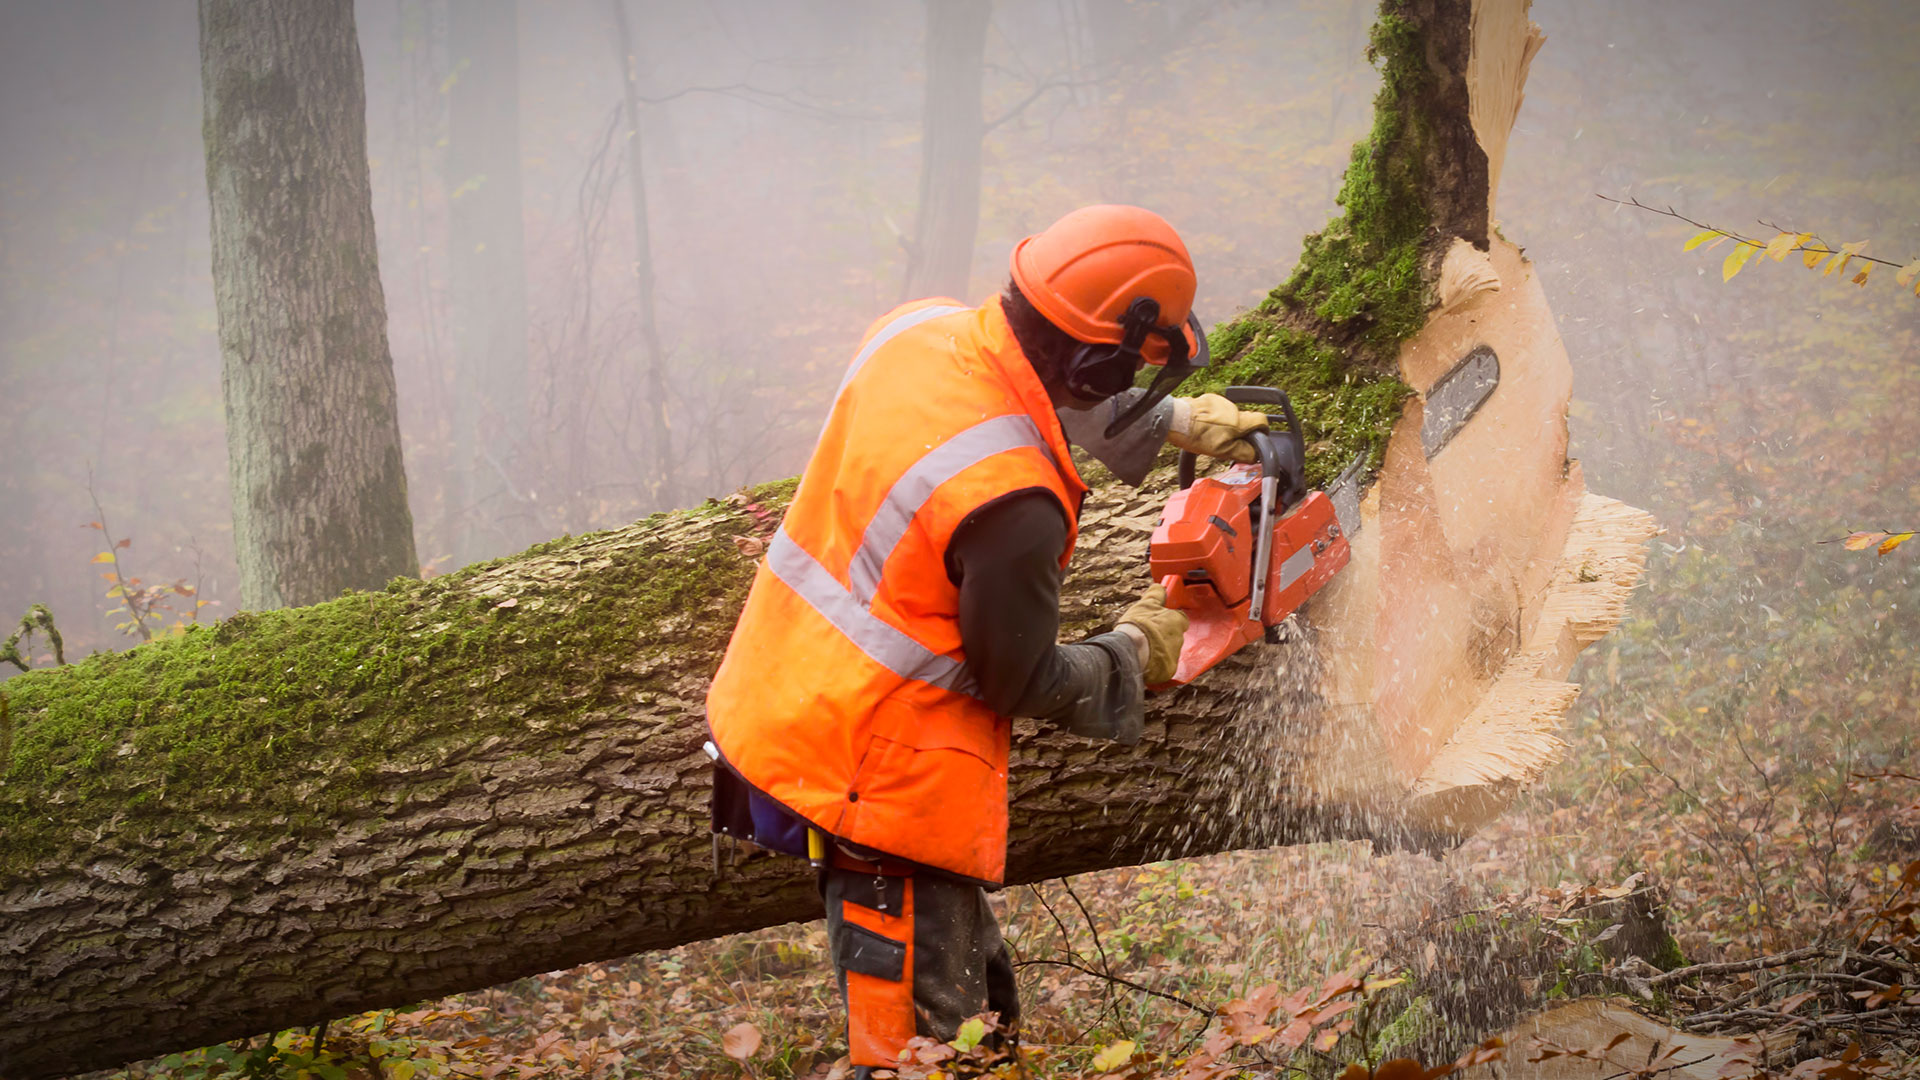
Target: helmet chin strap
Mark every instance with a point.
(1170, 375)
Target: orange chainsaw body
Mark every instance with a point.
(1205, 550)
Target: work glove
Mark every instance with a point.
(1163, 629)
(1213, 426)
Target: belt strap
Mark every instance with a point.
(839, 859)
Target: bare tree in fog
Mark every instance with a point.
(313, 436)
(940, 252)
(488, 281)
(659, 483)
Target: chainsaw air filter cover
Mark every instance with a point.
(1206, 536)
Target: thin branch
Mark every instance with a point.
(37, 618)
(126, 594)
(1758, 963)
(1092, 927)
(1066, 938)
(1760, 989)
(1823, 249)
(1770, 1017)
(1128, 983)
(1039, 90)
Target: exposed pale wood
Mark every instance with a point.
(1460, 574)
(1505, 41)
(1465, 273)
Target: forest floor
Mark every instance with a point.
(1748, 833)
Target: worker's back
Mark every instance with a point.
(844, 694)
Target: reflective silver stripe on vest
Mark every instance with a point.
(887, 333)
(917, 485)
(883, 643)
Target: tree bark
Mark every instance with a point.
(940, 254)
(661, 484)
(313, 439)
(402, 794)
(488, 293)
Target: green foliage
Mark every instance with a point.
(384, 1044)
(1815, 254)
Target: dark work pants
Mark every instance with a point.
(914, 955)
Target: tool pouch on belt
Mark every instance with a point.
(740, 811)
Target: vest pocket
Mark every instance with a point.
(949, 724)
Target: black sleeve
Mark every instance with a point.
(1006, 560)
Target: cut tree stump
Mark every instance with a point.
(393, 796)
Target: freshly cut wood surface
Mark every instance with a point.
(1443, 640)
(1482, 566)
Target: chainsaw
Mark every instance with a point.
(1241, 550)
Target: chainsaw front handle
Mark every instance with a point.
(1283, 455)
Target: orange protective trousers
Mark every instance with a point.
(916, 954)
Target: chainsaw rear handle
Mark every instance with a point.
(1274, 458)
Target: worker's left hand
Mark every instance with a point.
(1213, 426)
(1161, 631)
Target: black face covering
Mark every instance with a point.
(1098, 372)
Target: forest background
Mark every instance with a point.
(1724, 726)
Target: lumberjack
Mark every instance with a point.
(908, 607)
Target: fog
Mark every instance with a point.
(781, 147)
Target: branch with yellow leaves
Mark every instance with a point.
(1813, 251)
(1881, 540)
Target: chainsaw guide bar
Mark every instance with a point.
(1458, 394)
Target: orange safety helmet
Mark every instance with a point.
(1118, 280)
(1086, 269)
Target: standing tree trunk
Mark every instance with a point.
(445, 784)
(660, 485)
(486, 254)
(940, 253)
(313, 438)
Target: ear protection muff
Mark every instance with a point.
(1099, 371)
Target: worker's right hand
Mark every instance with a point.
(1162, 627)
(1212, 426)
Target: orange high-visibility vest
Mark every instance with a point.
(845, 693)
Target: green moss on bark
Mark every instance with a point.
(257, 708)
(260, 706)
(1344, 410)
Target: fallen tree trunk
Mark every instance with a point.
(396, 795)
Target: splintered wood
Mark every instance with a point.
(1509, 738)
(1481, 567)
